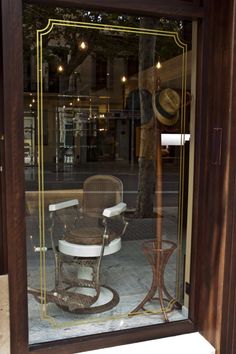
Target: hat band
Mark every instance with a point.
(162, 111)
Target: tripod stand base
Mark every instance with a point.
(158, 254)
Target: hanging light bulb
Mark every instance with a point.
(158, 65)
(83, 45)
(60, 69)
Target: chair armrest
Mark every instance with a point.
(63, 205)
(115, 210)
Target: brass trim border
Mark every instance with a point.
(39, 43)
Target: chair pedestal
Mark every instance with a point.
(83, 290)
(79, 303)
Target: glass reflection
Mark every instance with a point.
(106, 118)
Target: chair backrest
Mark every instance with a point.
(100, 192)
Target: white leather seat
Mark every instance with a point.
(75, 250)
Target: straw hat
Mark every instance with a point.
(166, 104)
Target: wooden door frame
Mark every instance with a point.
(214, 246)
(12, 106)
(3, 241)
(13, 174)
(168, 8)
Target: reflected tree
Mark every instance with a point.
(62, 47)
(147, 151)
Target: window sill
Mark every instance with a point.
(193, 343)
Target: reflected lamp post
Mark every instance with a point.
(60, 71)
(123, 81)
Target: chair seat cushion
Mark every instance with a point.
(88, 251)
(88, 235)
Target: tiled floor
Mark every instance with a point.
(127, 271)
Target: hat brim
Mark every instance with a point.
(163, 120)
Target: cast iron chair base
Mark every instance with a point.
(73, 302)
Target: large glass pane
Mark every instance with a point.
(106, 129)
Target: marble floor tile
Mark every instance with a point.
(127, 271)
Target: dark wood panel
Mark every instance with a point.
(115, 338)
(228, 330)
(214, 183)
(195, 2)
(12, 105)
(198, 187)
(228, 342)
(3, 241)
(172, 8)
(3, 250)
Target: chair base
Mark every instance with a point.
(107, 299)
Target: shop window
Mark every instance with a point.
(107, 171)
